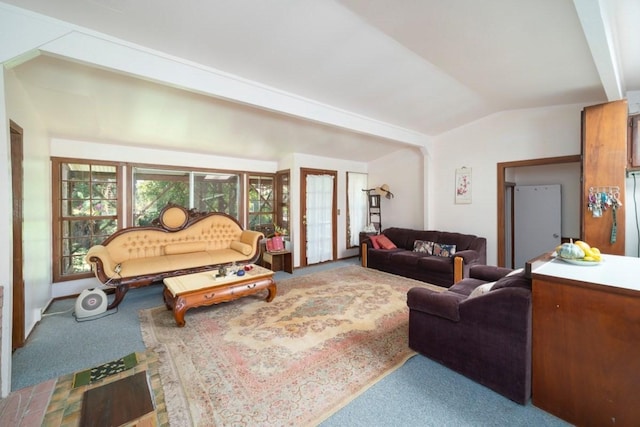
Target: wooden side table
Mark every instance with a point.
(277, 261)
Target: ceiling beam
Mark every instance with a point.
(597, 29)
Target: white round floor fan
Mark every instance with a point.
(91, 302)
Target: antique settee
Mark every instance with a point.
(479, 327)
(179, 242)
(437, 257)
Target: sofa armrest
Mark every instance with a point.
(441, 304)
(469, 256)
(463, 261)
(251, 238)
(102, 263)
(364, 250)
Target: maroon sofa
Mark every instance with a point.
(486, 337)
(438, 270)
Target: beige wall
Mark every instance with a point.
(502, 137)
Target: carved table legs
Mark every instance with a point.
(216, 294)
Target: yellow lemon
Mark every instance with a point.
(583, 245)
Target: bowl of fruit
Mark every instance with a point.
(578, 253)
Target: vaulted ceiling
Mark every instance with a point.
(424, 66)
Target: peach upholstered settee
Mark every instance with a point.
(179, 242)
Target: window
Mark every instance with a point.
(153, 189)
(261, 200)
(217, 192)
(204, 191)
(282, 196)
(89, 203)
(86, 211)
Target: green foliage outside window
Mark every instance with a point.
(88, 202)
(261, 201)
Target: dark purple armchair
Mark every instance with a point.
(486, 337)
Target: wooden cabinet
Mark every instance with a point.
(277, 261)
(604, 159)
(585, 342)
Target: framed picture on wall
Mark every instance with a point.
(463, 186)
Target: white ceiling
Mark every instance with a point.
(427, 66)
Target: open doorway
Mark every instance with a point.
(505, 200)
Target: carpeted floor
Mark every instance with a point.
(419, 393)
(295, 361)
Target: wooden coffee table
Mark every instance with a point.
(203, 289)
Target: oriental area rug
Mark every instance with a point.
(321, 342)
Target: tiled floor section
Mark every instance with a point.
(56, 402)
(26, 407)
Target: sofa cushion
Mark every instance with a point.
(488, 273)
(466, 286)
(462, 241)
(406, 257)
(423, 246)
(185, 248)
(374, 241)
(442, 249)
(436, 263)
(385, 242)
(482, 289)
(518, 280)
(405, 238)
(243, 248)
(441, 304)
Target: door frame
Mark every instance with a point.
(17, 194)
(304, 172)
(502, 185)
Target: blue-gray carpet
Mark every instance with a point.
(420, 393)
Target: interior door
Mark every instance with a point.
(318, 220)
(537, 221)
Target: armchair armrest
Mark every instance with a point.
(501, 309)
(441, 304)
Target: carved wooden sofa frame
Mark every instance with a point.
(178, 242)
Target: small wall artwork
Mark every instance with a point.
(463, 186)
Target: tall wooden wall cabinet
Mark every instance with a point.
(604, 159)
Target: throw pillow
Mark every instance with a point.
(440, 249)
(374, 241)
(516, 271)
(385, 243)
(423, 247)
(481, 290)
